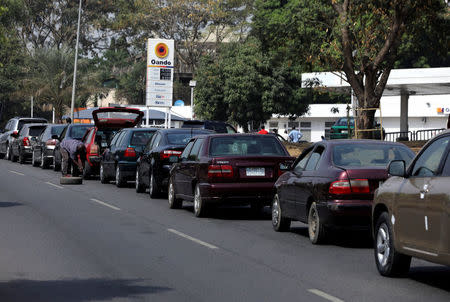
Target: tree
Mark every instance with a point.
(364, 41)
(242, 85)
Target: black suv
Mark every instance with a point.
(13, 126)
(216, 126)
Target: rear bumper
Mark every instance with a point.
(128, 169)
(94, 161)
(346, 214)
(237, 193)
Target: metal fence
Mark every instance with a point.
(419, 135)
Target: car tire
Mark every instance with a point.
(34, 163)
(2, 155)
(8, 152)
(71, 180)
(103, 178)
(13, 157)
(56, 165)
(316, 230)
(120, 181)
(154, 188)
(200, 207)
(140, 188)
(279, 222)
(44, 162)
(87, 170)
(389, 262)
(174, 202)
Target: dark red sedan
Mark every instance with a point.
(332, 184)
(227, 168)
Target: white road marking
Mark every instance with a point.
(56, 186)
(324, 295)
(210, 246)
(18, 173)
(105, 204)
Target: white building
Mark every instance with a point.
(423, 112)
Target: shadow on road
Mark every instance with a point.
(436, 276)
(346, 239)
(77, 290)
(235, 213)
(7, 204)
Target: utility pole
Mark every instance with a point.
(32, 105)
(72, 106)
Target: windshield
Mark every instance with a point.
(36, 131)
(179, 138)
(78, 131)
(246, 146)
(23, 122)
(141, 138)
(359, 155)
(343, 122)
(57, 130)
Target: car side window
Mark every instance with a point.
(193, 155)
(314, 159)
(114, 140)
(446, 169)
(120, 139)
(186, 150)
(156, 141)
(427, 164)
(300, 166)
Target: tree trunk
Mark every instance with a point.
(366, 118)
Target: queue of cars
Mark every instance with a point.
(336, 184)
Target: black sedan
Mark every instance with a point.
(44, 145)
(153, 166)
(119, 159)
(332, 184)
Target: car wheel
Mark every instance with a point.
(174, 203)
(200, 208)
(86, 170)
(103, 178)
(120, 181)
(140, 188)
(8, 152)
(389, 261)
(154, 188)
(13, 157)
(279, 223)
(44, 163)
(56, 165)
(316, 229)
(34, 163)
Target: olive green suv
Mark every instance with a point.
(411, 210)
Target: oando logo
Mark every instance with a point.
(161, 50)
(443, 110)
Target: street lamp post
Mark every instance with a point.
(192, 84)
(72, 106)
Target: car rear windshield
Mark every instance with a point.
(117, 115)
(343, 122)
(57, 130)
(246, 146)
(78, 131)
(23, 122)
(360, 155)
(36, 130)
(180, 138)
(141, 138)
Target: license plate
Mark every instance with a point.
(344, 131)
(255, 172)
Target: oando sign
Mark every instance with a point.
(160, 65)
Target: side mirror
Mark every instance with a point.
(397, 168)
(174, 159)
(54, 136)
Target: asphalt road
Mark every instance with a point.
(97, 242)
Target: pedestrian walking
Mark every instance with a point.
(73, 153)
(295, 135)
(263, 130)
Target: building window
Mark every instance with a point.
(305, 124)
(273, 124)
(292, 125)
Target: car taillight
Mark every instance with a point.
(50, 142)
(94, 149)
(358, 186)
(130, 152)
(220, 171)
(26, 141)
(168, 153)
